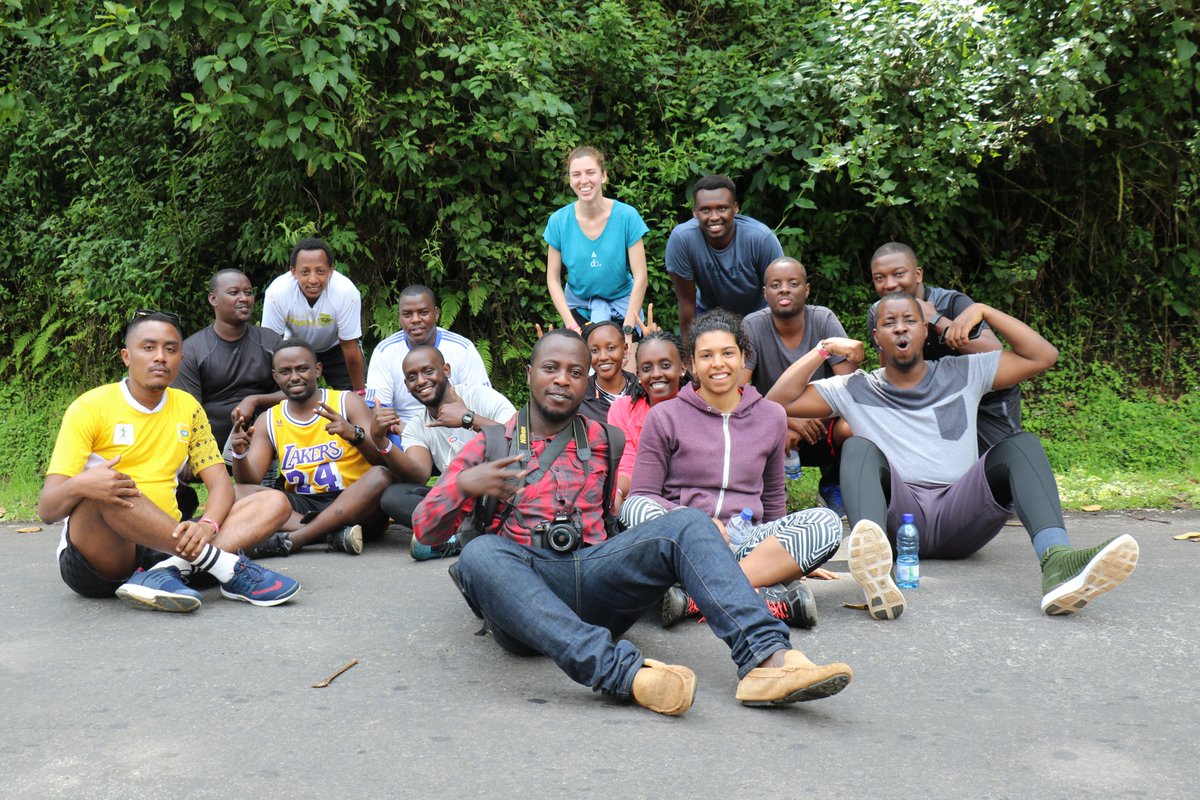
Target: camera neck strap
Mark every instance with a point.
(555, 446)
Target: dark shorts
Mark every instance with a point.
(83, 579)
(334, 369)
(309, 505)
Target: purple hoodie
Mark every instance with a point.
(692, 455)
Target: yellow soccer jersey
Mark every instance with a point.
(154, 444)
(312, 460)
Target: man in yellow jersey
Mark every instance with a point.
(112, 479)
(321, 438)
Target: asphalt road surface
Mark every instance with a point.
(973, 693)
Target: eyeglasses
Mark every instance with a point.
(149, 312)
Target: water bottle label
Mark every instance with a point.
(908, 573)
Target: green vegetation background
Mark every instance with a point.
(1041, 156)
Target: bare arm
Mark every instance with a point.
(985, 342)
(555, 285)
(637, 267)
(252, 453)
(793, 390)
(685, 298)
(352, 352)
(60, 494)
(1030, 354)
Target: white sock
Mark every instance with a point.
(212, 560)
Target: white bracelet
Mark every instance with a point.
(239, 456)
(387, 449)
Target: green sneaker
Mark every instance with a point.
(1073, 578)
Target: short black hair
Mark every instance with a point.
(559, 332)
(719, 320)
(711, 183)
(153, 316)
(221, 273)
(310, 244)
(887, 298)
(418, 290)
(891, 248)
(288, 344)
(421, 348)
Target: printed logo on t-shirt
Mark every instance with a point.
(184, 432)
(595, 260)
(325, 319)
(123, 434)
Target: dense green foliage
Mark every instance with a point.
(1043, 156)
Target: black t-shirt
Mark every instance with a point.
(220, 374)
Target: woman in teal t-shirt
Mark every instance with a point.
(599, 241)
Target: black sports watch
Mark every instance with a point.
(629, 330)
(468, 419)
(359, 435)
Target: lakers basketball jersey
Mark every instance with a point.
(312, 460)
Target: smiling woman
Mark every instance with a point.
(599, 241)
(607, 345)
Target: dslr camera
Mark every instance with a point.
(561, 534)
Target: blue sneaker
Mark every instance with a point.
(258, 585)
(424, 552)
(160, 590)
(831, 496)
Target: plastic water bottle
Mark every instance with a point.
(908, 565)
(791, 466)
(739, 528)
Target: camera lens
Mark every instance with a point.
(562, 538)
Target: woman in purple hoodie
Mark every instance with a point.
(720, 448)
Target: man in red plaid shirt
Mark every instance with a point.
(572, 603)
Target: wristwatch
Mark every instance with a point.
(359, 435)
(468, 419)
(628, 329)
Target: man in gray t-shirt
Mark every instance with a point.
(914, 452)
(779, 334)
(718, 258)
(894, 268)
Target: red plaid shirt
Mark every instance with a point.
(441, 513)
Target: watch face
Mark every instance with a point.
(629, 329)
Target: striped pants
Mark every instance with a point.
(810, 536)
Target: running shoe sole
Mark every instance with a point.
(1107, 570)
(871, 566)
(352, 541)
(274, 601)
(137, 596)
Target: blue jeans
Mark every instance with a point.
(571, 606)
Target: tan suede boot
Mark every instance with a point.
(666, 688)
(796, 681)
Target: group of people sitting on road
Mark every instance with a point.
(610, 491)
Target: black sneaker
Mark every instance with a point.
(347, 540)
(791, 602)
(676, 604)
(278, 544)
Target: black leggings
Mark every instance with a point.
(1017, 474)
(400, 500)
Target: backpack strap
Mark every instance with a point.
(495, 447)
(616, 448)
